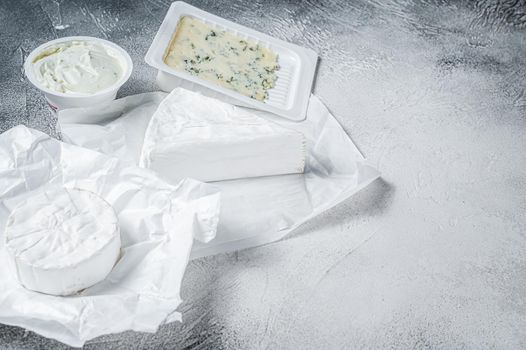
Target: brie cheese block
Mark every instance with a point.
(194, 136)
(61, 241)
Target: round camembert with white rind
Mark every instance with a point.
(62, 240)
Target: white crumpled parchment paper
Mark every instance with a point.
(158, 223)
(254, 211)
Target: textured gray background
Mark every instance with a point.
(431, 257)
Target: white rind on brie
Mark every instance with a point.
(194, 136)
(62, 240)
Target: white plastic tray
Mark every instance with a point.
(289, 98)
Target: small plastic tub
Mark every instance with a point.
(61, 100)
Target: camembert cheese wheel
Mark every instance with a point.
(62, 240)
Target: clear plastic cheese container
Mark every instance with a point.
(289, 98)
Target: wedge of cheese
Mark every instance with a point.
(194, 136)
(61, 241)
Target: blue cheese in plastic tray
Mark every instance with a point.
(270, 75)
(223, 58)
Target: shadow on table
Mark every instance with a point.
(374, 200)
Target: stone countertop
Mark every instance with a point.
(433, 255)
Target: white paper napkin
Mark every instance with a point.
(158, 223)
(253, 211)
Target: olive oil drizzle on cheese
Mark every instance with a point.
(223, 58)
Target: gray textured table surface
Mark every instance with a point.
(432, 256)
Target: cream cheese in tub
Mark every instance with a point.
(78, 67)
(78, 71)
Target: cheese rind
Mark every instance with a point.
(62, 240)
(194, 136)
(223, 58)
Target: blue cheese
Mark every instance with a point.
(222, 58)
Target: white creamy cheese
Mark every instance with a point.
(78, 67)
(223, 58)
(62, 240)
(194, 136)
